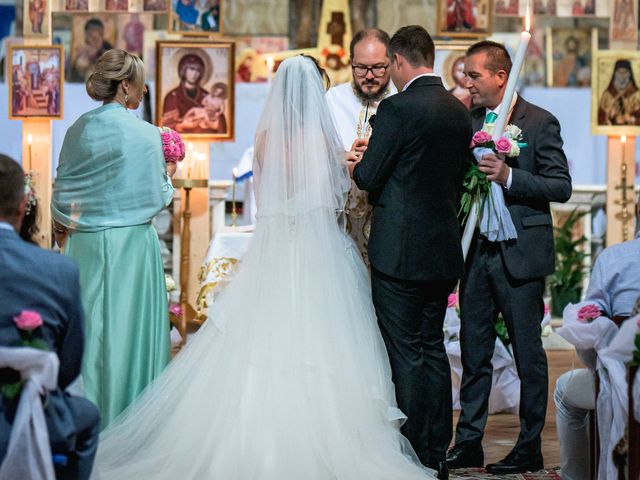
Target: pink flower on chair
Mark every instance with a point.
(28, 320)
(589, 313)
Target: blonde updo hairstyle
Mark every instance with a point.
(113, 67)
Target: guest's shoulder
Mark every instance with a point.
(621, 252)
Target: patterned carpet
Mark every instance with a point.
(476, 473)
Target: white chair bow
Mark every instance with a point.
(29, 453)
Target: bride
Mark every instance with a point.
(289, 377)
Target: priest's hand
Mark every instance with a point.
(495, 168)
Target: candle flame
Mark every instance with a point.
(623, 139)
(270, 63)
(190, 146)
(29, 139)
(235, 173)
(527, 20)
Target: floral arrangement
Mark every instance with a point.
(169, 282)
(172, 145)
(29, 192)
(475, 185)
(27, 322)
(176, 309)
(589, 313)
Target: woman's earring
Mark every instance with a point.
(126, 98)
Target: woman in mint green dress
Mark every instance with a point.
(111, 181)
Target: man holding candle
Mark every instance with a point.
(508, 277)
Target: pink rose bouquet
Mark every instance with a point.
(172, 145)
(589, 313)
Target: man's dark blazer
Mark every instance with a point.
(413, 169)
(539, 175)
(35, 279)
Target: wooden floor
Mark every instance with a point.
(502, 430)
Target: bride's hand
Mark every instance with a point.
(171, 168)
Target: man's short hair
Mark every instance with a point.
(376, 33)
(11, 186)
(415, 44)
(497, 56)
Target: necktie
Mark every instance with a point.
(491, 118)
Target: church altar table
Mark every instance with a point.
(220, 263)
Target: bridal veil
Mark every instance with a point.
(288, 379)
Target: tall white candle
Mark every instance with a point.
(510, 89)
(270, 63)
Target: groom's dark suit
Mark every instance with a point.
(508, 277)
(413, 169)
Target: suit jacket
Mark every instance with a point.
(413, 169)
(540, 175)
(35, 279)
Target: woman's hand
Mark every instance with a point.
(60, 233)
(171, 168)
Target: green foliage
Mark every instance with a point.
(570, 255)
(501, 330)
(636, 352)
(474, 187)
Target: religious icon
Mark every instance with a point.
(116, 5)
(92, 35)
(35, 87)
(449, 65)
(624, 21)
(544, 7)
(464, 18)
(36, 18)
(195, 89)
(155, 6)
(195, 17)
(506, 8)
(615, 104)
(76, 5)
(251, 55)
(131, 30)
(569, 57)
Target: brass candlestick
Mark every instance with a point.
(188, 312)
(624, 215)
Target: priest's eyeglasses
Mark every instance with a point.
(363, 70)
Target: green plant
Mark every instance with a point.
(566, 281)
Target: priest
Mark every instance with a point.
(352, 105)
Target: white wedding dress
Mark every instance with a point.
(288, 379)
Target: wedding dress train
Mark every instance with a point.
(289, 377)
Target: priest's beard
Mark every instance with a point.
(370, 97)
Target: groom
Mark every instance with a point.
(412, 168)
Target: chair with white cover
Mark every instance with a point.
(29, 453)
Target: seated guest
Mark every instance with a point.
(36, 280)
(614, 287)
